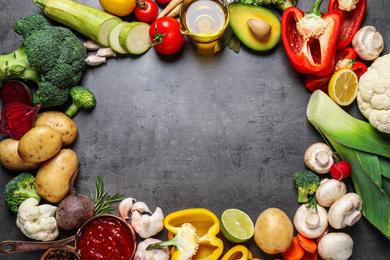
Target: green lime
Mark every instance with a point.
(236, 225)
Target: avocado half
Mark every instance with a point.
(240, 13)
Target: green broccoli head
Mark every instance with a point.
(307, 183)
(19, 189)
(82, 98)
(284, 4)
(52, 56)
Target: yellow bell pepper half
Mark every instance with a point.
(238, 252)
(207, 227)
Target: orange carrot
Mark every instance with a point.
(307, 244)
(170, 6)
(310, 256)
(323, 234)
(295, 252)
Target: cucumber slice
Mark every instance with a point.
(89, 21)
(135, 37)
(114, 38)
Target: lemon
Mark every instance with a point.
(343, 87)
(236, 225)
(119, 7)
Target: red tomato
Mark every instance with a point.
(146, 11)
(163, 1)
(166, 36)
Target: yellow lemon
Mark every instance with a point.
(119, 7)
(343, 87)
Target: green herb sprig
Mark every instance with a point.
(103, 201)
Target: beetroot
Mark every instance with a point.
(17, 119)
(15, 90)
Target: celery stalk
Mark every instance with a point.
(365, 148)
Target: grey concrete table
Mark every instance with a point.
(187, 131)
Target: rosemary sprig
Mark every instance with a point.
(103, 201)
(312, 202)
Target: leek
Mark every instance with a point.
(365, 148)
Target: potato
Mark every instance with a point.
(59, 122)
(39, 144)
(273, 231)
(10, 158)
(52, 179)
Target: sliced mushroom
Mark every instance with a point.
(335, 246)
(368, 43)
(310, 223)
(346, 211)
(319, 158)
(329, 191)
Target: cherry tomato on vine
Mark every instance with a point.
(163, 1)
(146, 11)
(166, 36)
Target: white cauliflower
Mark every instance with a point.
(373, 96)
(37, 222)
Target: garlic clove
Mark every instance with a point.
(106, 52)
(95, 60)
(125, 207)
(141, 207)
(92, 45)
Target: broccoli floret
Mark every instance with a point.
(81, 98)
(19, 189)
(307, 183)
(280, 4)
(51, 56)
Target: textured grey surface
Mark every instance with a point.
(187, 131)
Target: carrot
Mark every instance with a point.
(310, 256)
(295, 252)
(175, 12)
(170, 6)
(307, 244)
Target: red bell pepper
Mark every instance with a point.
(310, 39)
(353, 13)
(344, 59)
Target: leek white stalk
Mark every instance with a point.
(365, 148)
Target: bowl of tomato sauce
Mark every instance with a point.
(105, 237)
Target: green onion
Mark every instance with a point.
(365, 148)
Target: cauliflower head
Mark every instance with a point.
(373, 96)
(37, 222)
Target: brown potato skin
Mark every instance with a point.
(273, 231)
(59, 122)
(10, 159)
(52, 179)
(39, 144)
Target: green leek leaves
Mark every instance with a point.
(365, 148)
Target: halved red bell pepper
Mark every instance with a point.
(353, 13)
(310, 39)
(344, 59)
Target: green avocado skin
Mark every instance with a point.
(240, 13)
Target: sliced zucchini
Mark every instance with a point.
(114, 38)
(134, 37)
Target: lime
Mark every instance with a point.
(343, 87)
(236, 225)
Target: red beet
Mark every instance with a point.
(17, 118)
(15, 90)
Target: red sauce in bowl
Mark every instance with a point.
(105, 237)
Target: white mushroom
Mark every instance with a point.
(162, 253)
(310, 223)
(319, 158)
(346, 211)
(329, 191)
(335, 246)
(144, 222)
(368, 43)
